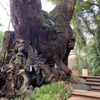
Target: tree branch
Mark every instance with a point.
(94, 4)
(88, 26)
(4, 9)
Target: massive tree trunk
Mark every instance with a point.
(40, 43)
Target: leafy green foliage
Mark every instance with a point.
(55, 91)
(53, 1)
(80, 39)
(86, 20)
(92, 57)
(1, 38)
(96, 71)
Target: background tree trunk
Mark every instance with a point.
(37, 47)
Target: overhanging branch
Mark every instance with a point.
(4, 9)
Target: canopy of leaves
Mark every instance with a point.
(86, 20)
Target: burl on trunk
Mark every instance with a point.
(37, 51)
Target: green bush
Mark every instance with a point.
(96, 71)
(55, 91)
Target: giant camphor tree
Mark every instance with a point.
(37, 51)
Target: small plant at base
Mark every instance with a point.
(55, 91)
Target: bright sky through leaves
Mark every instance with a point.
(5, 12)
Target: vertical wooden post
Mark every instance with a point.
(85, 72)
(75, 72)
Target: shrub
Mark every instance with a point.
(55, 91)
(96, 71)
